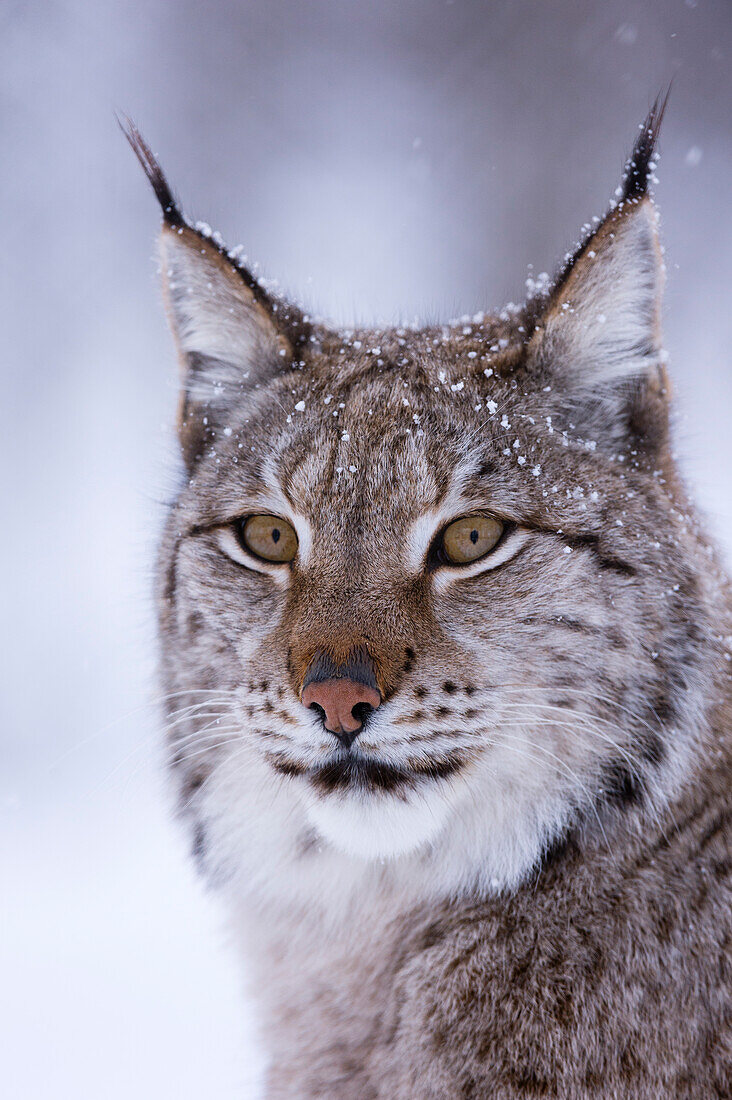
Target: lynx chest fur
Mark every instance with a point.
(446, 656)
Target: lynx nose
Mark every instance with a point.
(343, 694)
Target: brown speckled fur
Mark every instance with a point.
(516, 884)
(609, 976)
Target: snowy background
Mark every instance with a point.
(389, 159)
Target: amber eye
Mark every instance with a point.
(268, 537)
(470, 538)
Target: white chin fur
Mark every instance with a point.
(379, 826)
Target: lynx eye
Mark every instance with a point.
(267, 537)
(470, 538)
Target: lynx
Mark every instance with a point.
(446, 655)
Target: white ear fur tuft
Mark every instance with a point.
(598, 342)
(602, 326)
(225, 337)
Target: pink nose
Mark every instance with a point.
(338, 699)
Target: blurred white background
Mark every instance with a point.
(384, 159)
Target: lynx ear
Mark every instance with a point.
(598, 340)
(231, 336)
(226, 335)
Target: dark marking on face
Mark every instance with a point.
(191, 784)
(350, 772)
(555, 852)
(440, 735)
(449, 687)
(620, 787)
(664, 708)
(652, 748)
(409, 662)
(575, 625)
(421, 692)
(272, 735)
(604, 561)
(285, 766)
(198, 847)
(564, 621)
(286, 717)
(358, 773)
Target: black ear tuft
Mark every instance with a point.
(171, 211)
(639, 167)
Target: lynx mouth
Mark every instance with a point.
(348, 771)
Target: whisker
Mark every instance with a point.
(568, 770)
(201, 715)
(636, 771)
(612, 704)
(232, 738)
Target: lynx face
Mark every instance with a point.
(426, 591)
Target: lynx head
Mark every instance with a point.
(426, 589)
